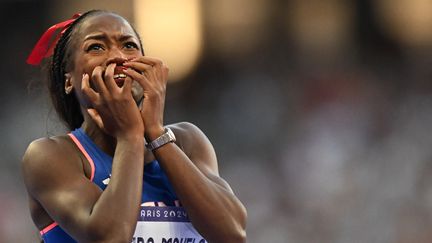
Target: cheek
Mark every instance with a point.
(80, 70)
(89, 66)
(86, 63)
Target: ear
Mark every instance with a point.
(68, 83)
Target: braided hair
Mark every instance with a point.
(67, 106)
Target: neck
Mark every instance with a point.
(104, 141)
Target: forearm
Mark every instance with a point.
(213, 209)
(117, 207)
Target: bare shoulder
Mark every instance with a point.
(45, 158)
(44, 146)
(196, 145)
(187, 132)
(199, 149)
(189, 137)
(42, 151)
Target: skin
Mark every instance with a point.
(57, 175)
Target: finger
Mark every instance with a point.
(138, 66)
(145, 69)
(109, 77)
(97, 80)
(127, 85)
(89, 93)
(96, 117)
(142, 80)
(165, 71)
(155, 63)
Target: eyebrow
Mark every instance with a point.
(103, 36)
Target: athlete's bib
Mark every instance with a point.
(165, 225)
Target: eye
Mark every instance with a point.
(131, 45)
(95, 47)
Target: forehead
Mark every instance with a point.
(107, 23)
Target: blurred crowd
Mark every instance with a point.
(319, 112)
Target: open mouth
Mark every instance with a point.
(119, 75)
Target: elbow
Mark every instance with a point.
(238, 237)
(240, 234)
(243, 217)
(237, 232)
(235, 236)
(241, 238)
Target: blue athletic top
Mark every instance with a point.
(161, 219)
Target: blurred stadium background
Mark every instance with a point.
(319, 110)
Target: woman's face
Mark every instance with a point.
(102, 39)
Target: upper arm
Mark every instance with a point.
(53, 176)
(200, 151)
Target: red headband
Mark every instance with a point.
(45, 48)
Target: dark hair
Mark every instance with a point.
(67, 106)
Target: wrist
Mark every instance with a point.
(154, 132)
(130, 137)
(131, 143)
(167, 137)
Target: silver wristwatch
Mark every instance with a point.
(167, 137)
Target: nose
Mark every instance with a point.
(117, 60)
(117, 56)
